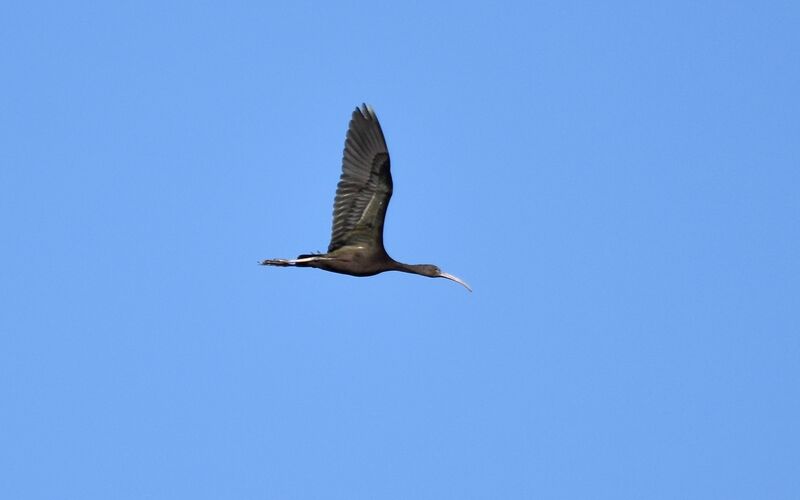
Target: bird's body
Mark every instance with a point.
(352, 260)
(359, 209)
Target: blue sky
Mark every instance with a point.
(618, 182)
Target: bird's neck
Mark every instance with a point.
(407, 268)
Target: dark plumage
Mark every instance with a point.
(359, 209)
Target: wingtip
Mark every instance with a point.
(366, 111)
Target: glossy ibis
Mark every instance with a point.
(362, 196)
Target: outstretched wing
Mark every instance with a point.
(365, 186)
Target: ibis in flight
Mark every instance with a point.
(359, 209)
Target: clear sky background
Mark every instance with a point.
(618, 181)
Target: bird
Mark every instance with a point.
(359, 209)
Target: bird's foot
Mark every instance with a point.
(276, 262)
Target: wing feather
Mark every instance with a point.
(365, 185)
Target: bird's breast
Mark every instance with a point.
(356, 261)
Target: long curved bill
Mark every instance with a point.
(457, 280)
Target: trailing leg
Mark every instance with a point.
(301, 261)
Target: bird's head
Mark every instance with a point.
(432, 271)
